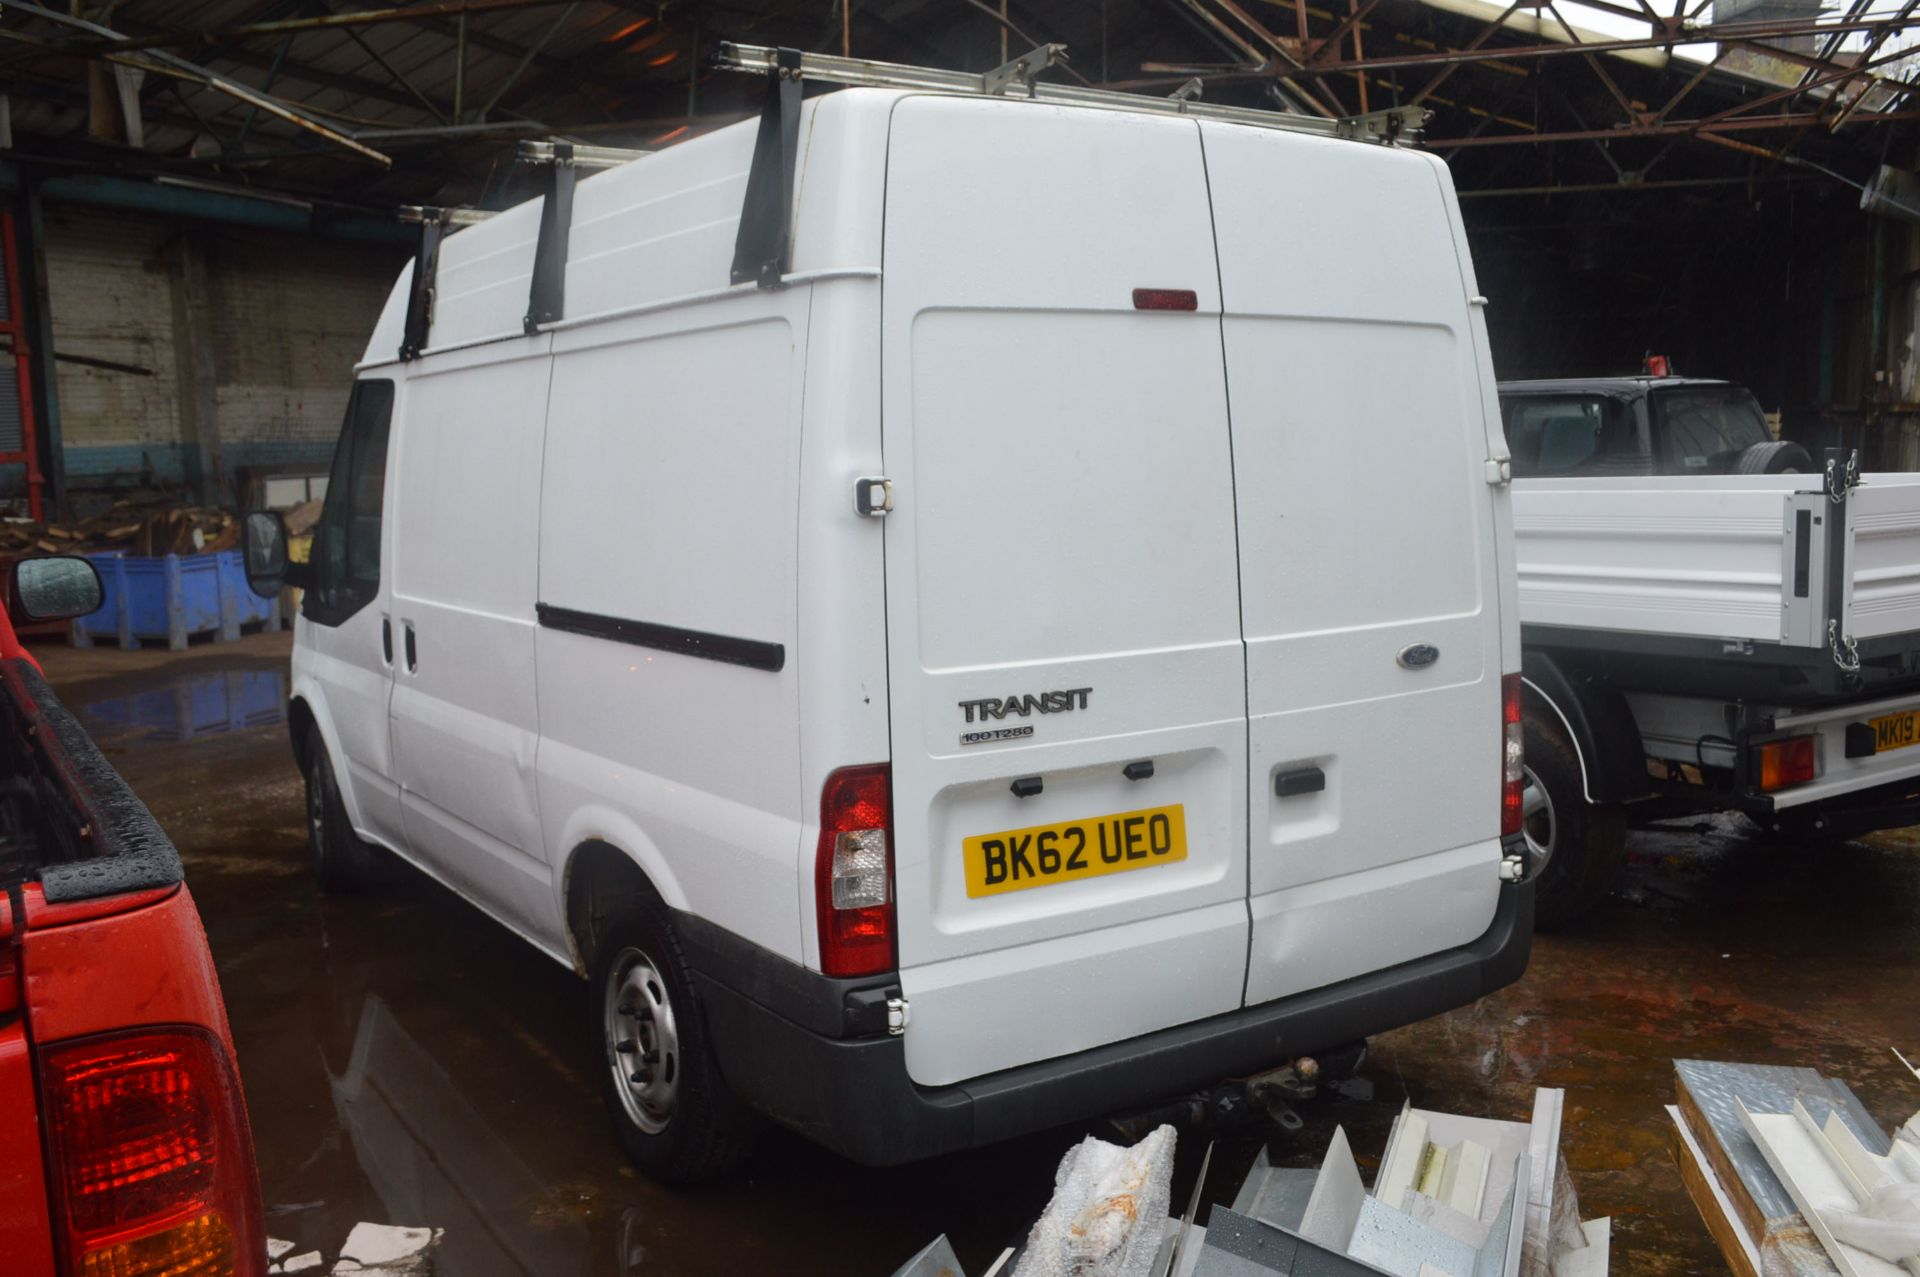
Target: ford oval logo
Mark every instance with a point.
(1417, 656)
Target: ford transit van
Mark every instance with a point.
(1039, 640)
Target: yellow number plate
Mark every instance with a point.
(1074, 849)
(1896, 731)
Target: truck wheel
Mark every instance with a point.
(341, 861)
(1782, 456)
(671, 1107)
(1576, 847)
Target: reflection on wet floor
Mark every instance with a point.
(432, 1158)
(203, 705)
(407, 1061)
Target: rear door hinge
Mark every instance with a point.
(1499, 472)
(872, 496)
(899, 1013)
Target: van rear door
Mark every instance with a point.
(1367, 554)
(1062, 590)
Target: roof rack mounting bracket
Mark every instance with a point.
(1023, 69)
(763, 248)
(547, 293)
(426, 268)
(1389, 126)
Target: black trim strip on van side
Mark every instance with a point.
(752, 653)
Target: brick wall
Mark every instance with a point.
(289, 317)
(110, 299)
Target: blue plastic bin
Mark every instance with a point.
(173, 598)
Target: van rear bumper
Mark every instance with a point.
(853, 1095)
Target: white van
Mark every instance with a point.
(1034, 645)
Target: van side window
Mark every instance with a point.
(346, 543)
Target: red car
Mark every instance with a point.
(126, 1150)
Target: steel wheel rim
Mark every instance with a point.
(1537, 820)
(643, 1042)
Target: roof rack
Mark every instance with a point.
(547, 291)
(763, 248)
(1019, 78)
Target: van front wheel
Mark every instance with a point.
(341, 861)
(671, 1107)
(1576, 848)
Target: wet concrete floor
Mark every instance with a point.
(407, 1061)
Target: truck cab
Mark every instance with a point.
(1649, 425)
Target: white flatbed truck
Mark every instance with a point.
(1702, 642)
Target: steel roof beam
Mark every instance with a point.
(332, 21)
(162, 63)
(1707, 33)
(1668, 128)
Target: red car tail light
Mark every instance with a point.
(1781, 763)
(853, 872)
(1513, 777)
(149, 1160)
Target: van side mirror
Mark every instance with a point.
(264, 541)
(55, 588)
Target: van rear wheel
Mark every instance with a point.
(341, 861)
(670, 1105)
(1577, 848)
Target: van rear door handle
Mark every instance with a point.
(1301, 780)
(386, 639)
(413, 656)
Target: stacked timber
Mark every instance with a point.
(145, 526)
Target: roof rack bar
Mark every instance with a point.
(582, 156)
(547, 291)
(1017, 79)
(454, 218)
(763, 247)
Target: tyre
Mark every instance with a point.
(341, 861)
(1782, 456)
(1576, 848)
(670, 1105)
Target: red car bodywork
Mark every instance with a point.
(110, 971)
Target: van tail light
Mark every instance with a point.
(150, 1163)
(1513, 789)
(1781, 763)
(853, 874)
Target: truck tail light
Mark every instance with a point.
(853, 873)
(150, 1162)
(1513, 776)
(1781, 763)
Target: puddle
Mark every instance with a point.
(204, 705)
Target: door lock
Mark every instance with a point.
(873, 497)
